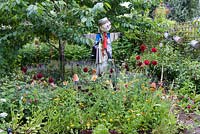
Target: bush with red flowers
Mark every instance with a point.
(146, 58)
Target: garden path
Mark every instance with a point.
(190, 120)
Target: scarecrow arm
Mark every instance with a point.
(115, 36)
(90, 36)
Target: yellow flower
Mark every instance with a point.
(104, 120)
(93, 71)
(103, 114)
(148, 101)
(136, 80)
(133, 115)
(130, 111)
(88, 125)
(94, 77)
(143, 87)
(111, 120)
(57, 99)
(108, 82)
(152, 89)
(45, 83)
(71, 125)
(24, 100)
(81, 105)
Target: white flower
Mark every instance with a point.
(3, 115)
(161, 44)
(158, 105)
(128, 15)
(53, 13)
(2, 100)
(163, 97)
(125, 4)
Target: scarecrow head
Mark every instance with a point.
(104, 25)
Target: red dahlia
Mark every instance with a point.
(34, 77)
(85, 69)
(139, 63)
(24, 69)
(154, 50)
(146, 62)
(51, 80)
(153, 62)
(137, 57)
(189, 106)
(111, 71)
(143, 47)
(39, 75)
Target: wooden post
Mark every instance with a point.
(62, 58)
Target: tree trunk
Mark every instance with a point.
(62, 58)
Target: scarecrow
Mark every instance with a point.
(102, 49)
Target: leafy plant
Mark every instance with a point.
(183, 10)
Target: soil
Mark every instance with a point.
(191, 121)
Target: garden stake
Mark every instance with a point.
(172, 85)
(161, 79)
(114, 81)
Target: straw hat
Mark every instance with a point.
(103, 21)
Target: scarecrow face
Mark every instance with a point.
(105, 27)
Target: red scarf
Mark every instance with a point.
(105, 38)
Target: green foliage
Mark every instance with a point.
(183, 10)
(178, 66)
(12, 32)
(49, 20)
(32, 54)
(38, 106)
(138, 28)
(101, 129)
(22, 122)
(67, 109)
(76, 52)
(43, 53)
